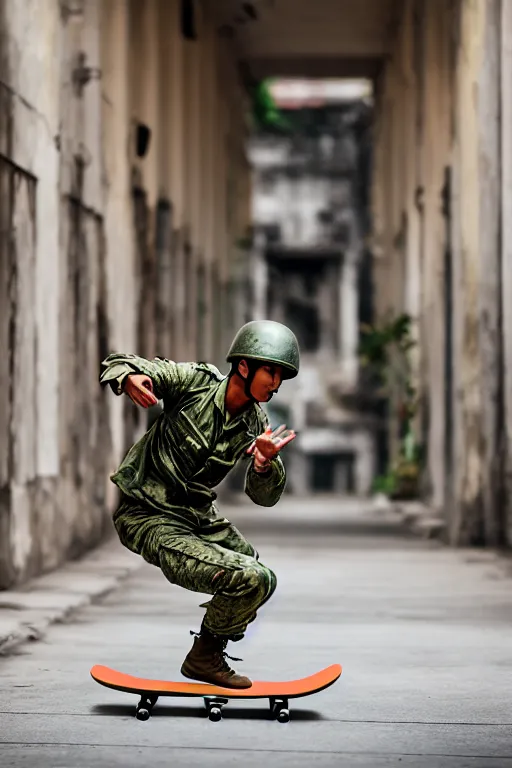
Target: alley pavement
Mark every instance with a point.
(424, 635)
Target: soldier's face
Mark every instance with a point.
(266, 381)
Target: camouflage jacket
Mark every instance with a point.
(194, 443)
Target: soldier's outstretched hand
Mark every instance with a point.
(268, 445)
(139, 389)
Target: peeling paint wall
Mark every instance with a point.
(102, 250)
(438, 238)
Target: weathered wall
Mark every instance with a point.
(101, 250)
(438, 196)
(29, 303)
(506, 256)
(412, 152)
(478, 413)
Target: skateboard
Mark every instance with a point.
(215, 697)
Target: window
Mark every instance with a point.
(304, 322)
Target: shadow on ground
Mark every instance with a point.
(228, 712)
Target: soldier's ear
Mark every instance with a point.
(243, 369)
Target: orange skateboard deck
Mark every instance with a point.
(215, 697)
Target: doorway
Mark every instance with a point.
(332, 472)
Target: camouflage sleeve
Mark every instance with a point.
(169, 379)
(266, 489)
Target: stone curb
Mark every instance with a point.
(27, 612)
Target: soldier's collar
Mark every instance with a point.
(220, 396)
(220, 401)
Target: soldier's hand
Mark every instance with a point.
(139, 389)
(268, 445)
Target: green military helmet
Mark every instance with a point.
(269, 342)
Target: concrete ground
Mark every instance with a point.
(424, 635)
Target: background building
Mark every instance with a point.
(309, 263)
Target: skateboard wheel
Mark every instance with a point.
(215, 714)
(142, 714)
(283, 716)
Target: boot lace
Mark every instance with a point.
(220, 654)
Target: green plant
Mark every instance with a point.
(377, 343)
(244, 243)
(266, 114)
(385, 484)
(385, 349)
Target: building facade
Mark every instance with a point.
(309, 223)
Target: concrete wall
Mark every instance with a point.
(441, 251)
(101, 250)
(506, 259)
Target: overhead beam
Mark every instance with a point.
(315, 66)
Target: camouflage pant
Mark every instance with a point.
(202, 553)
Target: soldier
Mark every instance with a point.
(167, 512)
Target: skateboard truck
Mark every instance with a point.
(279, 710)
(145, 706)
(214, 706)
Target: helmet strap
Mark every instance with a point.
(253, 366)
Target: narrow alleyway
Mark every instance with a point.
(423, 633)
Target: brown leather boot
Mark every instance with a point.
(206, 661)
